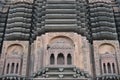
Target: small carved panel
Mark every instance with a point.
(61, 42)
(106, 48)
(15, 50)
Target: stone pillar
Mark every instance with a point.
(102, 68)
(55, 58)
(65, 58)
(106, 68)
(15, 64)
(111, 68)
(19, 68)
(116, 70)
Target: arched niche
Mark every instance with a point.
(60, 59)
(52, 59)
(14, 49)
(62, 48)
(61, 41)
(14, 55)
(69, 59)
(106, 48)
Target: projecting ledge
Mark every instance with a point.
(58, 79)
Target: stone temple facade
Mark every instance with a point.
(59, 39)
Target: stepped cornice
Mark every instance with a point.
(16, 1)
(106, 1)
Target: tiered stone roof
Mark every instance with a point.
(95, 19)
(102, 20)
(3, 19)
(19, 21)
(58, 15)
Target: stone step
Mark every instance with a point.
(61, 16)
(61, 1)
(62, 73)
(60, 6)
(60, 21)
(60, 79)
(67, 70)
(60, 11)
(60, 25)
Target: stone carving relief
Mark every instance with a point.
(108, 58)
(105, 52)
(62, 42)
(14, 1)
(61, 47)
(14, 58)
(15, 50)
(106, 48)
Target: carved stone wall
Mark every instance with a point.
(108, 48)
(60, 45)
(80, 47)
(13, 60)
(17, 52)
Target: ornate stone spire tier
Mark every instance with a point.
(15, 1)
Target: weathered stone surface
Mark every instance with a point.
(59, 39)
